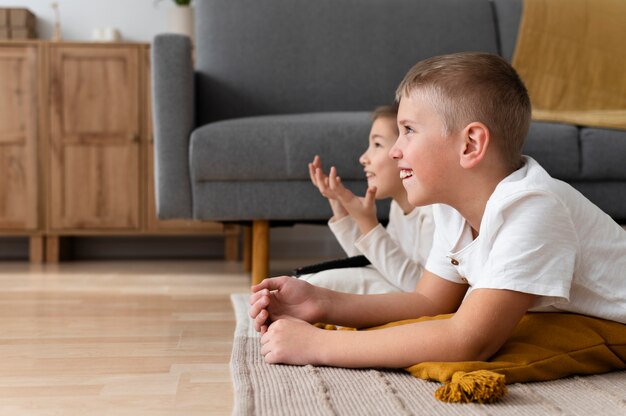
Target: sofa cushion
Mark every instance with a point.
(272, 200)
(609, 196)
(555, 147)
(279, 147)
(603, 152)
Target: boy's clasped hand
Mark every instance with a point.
(282, 308)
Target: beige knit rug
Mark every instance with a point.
(262, 389)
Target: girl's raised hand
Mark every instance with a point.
(362, 209)
(320, 180)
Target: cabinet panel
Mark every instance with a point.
(96, 186)
(94, 137)
(19, 85)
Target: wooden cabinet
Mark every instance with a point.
(76, 149)
(95, 131)
(19, 138)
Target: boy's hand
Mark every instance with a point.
(320, 181)
(284, 296)
(292, 341)
(362, 209)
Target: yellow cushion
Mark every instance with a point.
(543, 346)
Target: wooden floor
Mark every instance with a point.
(117, 338)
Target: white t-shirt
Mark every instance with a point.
(398, 252)
(538, 235)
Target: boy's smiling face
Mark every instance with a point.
(382, 171)
(424, 154)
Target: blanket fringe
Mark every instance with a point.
(480, 386)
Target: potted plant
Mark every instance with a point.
(180, 18)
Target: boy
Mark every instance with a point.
(398, 253)
(508, 237)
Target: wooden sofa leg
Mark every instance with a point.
(260, 250)
(247, 248)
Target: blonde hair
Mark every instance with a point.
(387, 111)
(475, 86)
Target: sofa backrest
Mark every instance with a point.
(508, 16)
(257, 57)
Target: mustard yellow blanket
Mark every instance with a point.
(543, 346)
(571, 55)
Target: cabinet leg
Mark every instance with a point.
(260, 250)
(52, 248)
(36, 249)
(231, 242)
(247, 248)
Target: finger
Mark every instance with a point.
(270, 358)
(341, 192)
(260, 286)
(332, 178)
(259, 317)
(258, 306)
(319, 174)
(312, 173)
(322, 181)
(262, 299)
(370, 196)
(317, 161)
(261, 321)
(256, 295)
(336, 180)
(273, 283)
(265, 339)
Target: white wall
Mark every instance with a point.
(137, 20)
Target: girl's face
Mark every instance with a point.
(380, 169)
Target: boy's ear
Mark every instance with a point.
(476, 139)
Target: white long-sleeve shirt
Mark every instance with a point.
(398, 252)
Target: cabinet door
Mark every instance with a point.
(94, 137)
(18, 137)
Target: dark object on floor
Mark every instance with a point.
(355, 261)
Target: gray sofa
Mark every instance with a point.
(277, 81)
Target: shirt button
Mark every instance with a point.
(454, 262)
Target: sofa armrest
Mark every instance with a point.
(173, 115)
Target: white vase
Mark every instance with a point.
(181, 20)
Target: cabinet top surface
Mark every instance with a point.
(71, 43)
